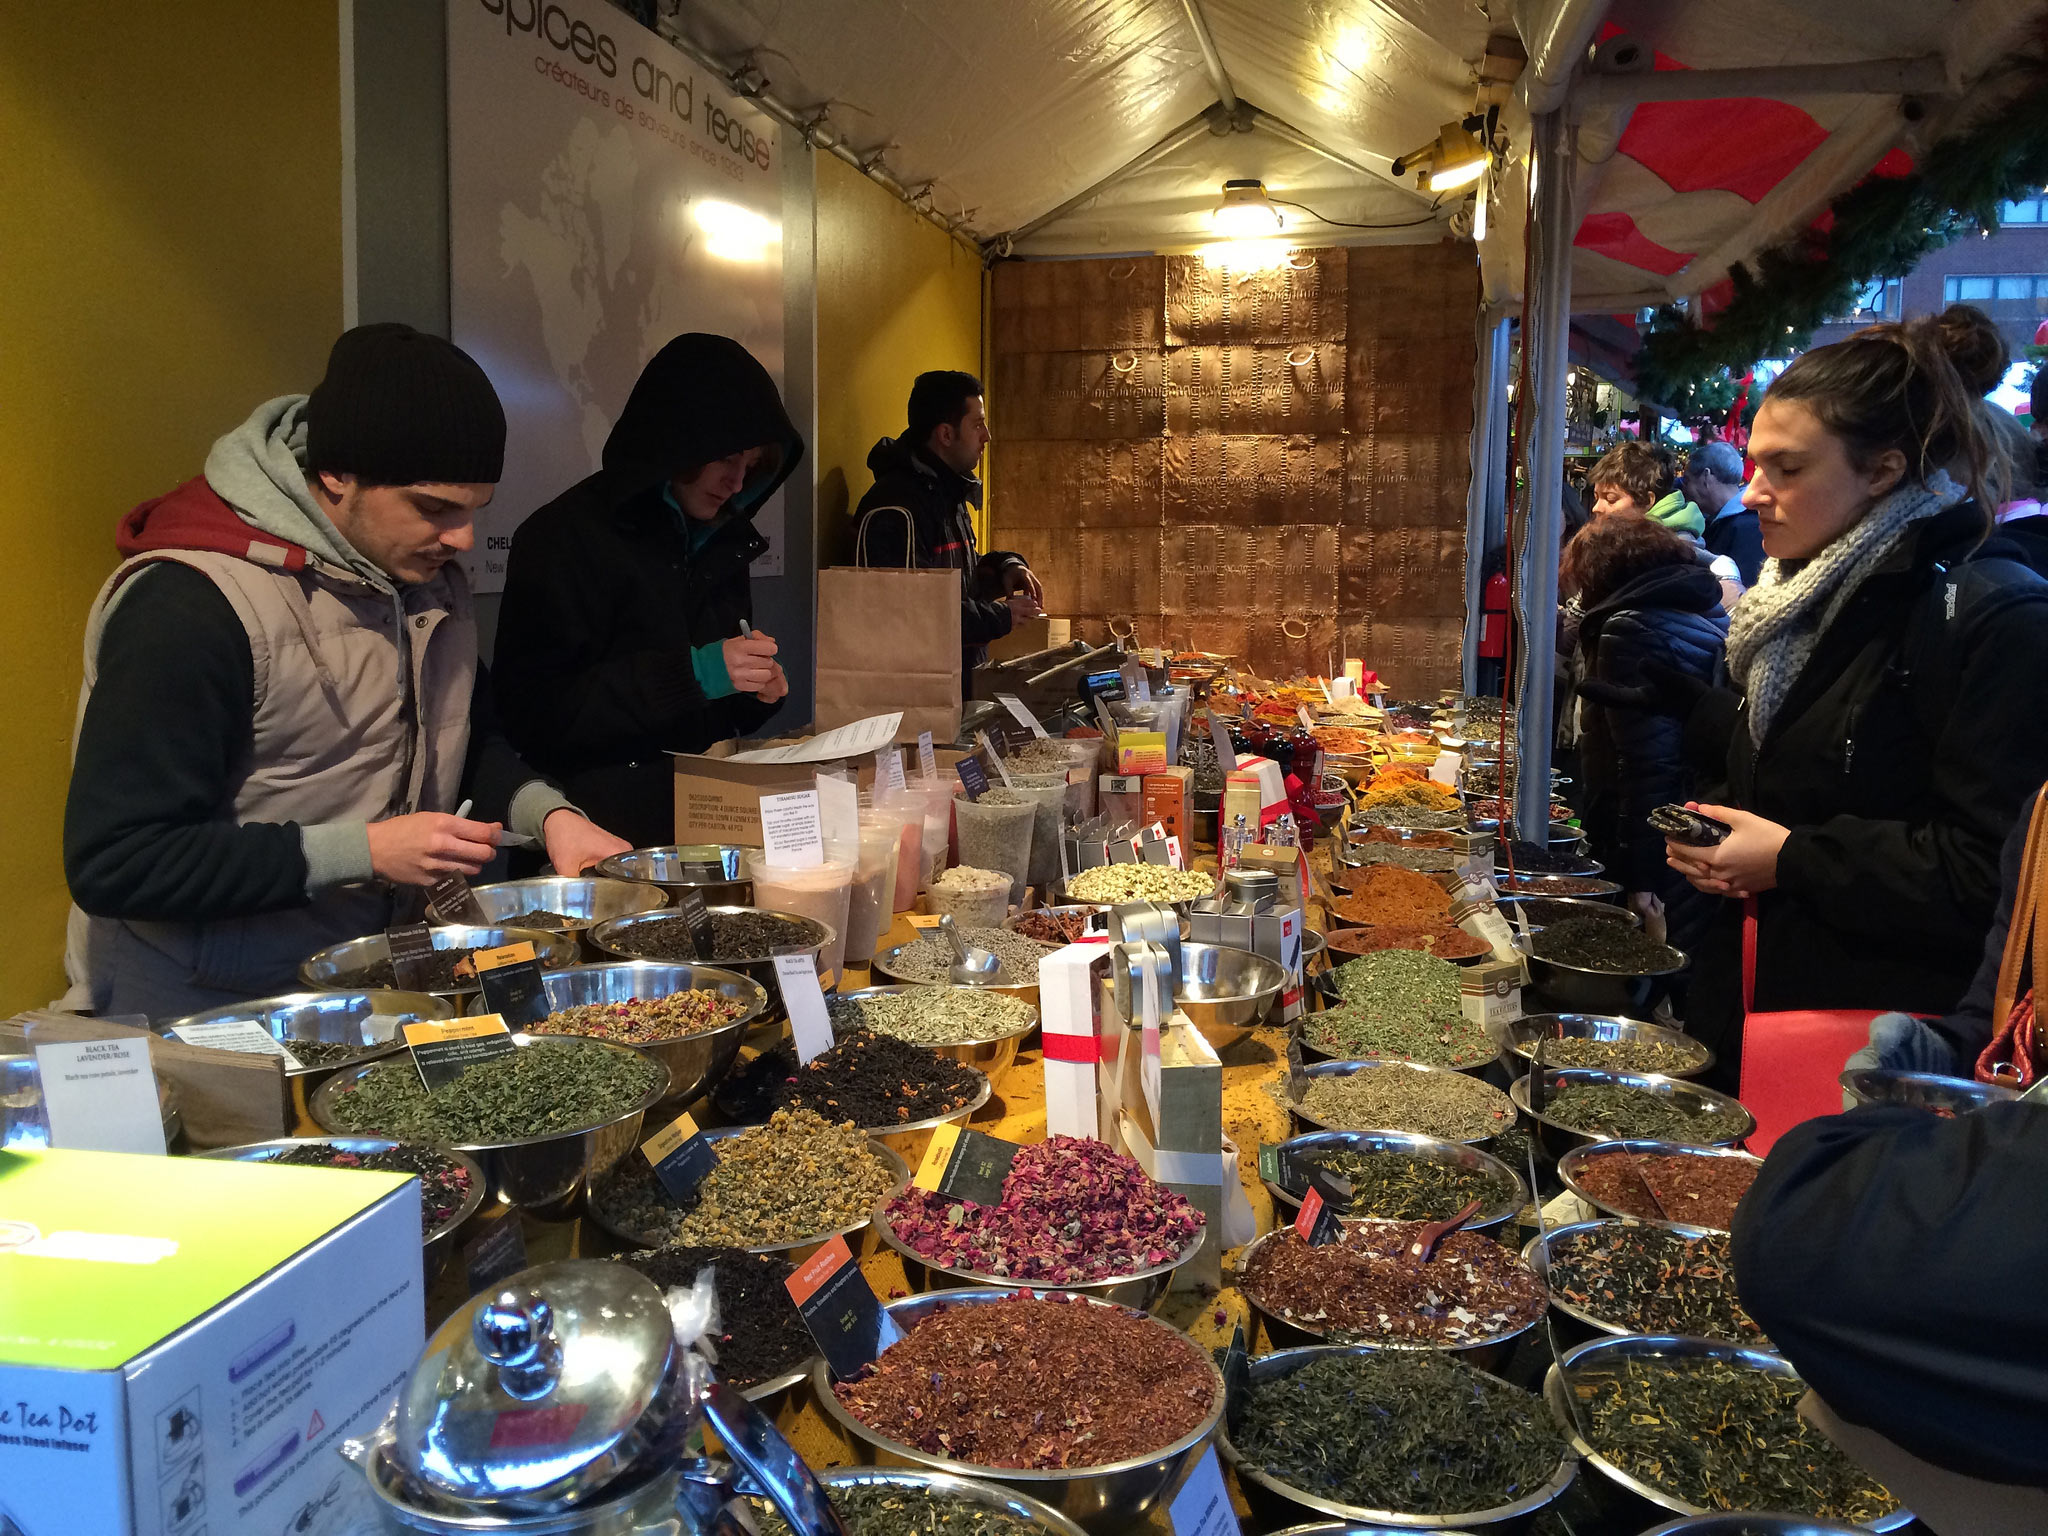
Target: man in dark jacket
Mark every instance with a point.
(920, 512)
(1713, 479)
(620, 640)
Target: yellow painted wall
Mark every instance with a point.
(170, 256)
(896, 297)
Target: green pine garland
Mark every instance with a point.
(1882, 228)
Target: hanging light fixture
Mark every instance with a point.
(1454, 158)
(1246, 212)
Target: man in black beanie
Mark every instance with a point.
(281, 708)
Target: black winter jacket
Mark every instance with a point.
(939, 500)
(1898, 760)
(1633, 760)
(1892, 1257)
(604, 598)
(1968, 1027)
(1736, 534)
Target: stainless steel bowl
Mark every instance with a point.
(1346, 1528)
(1559, 1139)
(1923, 1090)
(374, 1020)
(1756, 1525)
(1141, 1288)
(991, 1055)
(1106, 1500)
(585, 900)
(1316, 1069)
(326, 968)
(1546, 885)
(438, 1242)
(1274, 1502)
(795, 1252)
(1538, 1251)
(1570, 1165)
(547, 1175)
(1514, 907)
(887, 962)
(1072, 909)
(1597, 1354)
(1315, 951)
(1225, 992)
(716, 871)
(695, 1062)
(1521, 1036)
(1286, 1331)
(625, 938)
(25, 1123)
(1003, 1501)
(1583, 989)
(1416, 1148)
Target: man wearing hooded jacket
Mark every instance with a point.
(619, 641)
(275, 723)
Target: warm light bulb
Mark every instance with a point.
(734, 233)
(1246, 255)
(1245, 212)
(1456, 176)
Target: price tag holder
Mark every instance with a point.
(973, 781)
(451, 900)
(682, 1156)
(889, 768)
(1444, 770)
(1202, 1507)
(805, 999)
(1237, 1372)
(1219, 737)
(1301, 713)
(243, 1035)
(966, 1165)
(839, 813)
(1316, 1222)
(691, 908)
(443, 1052)
(1276, 1166)
(792, 833)
(988, 750)
(100, 1096)
(1137, 684)
(1297, 1070)
(410, 947)
(922, 921)
(498, 1254)
(927, 759)
(1023, 716)
(513, 986)
(841, 1309)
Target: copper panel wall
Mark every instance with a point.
(1269, 464)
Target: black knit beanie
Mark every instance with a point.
(400, 407)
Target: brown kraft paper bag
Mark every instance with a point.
(889, 640)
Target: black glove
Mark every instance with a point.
(1664, 691)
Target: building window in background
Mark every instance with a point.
(1878, 299)
(2028, 212)
(2004, 296)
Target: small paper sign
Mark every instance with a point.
(100, 1096)
(1023, 716)
(1297, 1072)
(973, 782)
(805, 1000)
(1276, 1166)
(1137, 685)
(927, 760)
(513, 986)
(792, 834)
(451, 900)
(922, 920)
(1141, 752)
(1301, 713)
(966, 1164)
(1315, 1223)
(988, 750)
(682, 1156)
(691, 909)
(841, 1309)
(1444, 770)
(1203, 1507)
(839, 813)
(443, 1052)
(889, 768)
(1219, 737)
(498, 1254)
(410, 945)
(243, 1035)
(1173, 854)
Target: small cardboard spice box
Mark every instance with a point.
(1068, 988)
(1167, 796)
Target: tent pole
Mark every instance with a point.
(1212, 57)
(1489, 469)
(1549, 307)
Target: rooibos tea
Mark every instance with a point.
(1697, 1191)
(1367, 1288)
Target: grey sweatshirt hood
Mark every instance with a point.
(259, 469)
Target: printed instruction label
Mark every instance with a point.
(792, 833)
(245, 1036)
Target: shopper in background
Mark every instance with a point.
(1978, 349)
(1713, 479)
(1647, 603)
(920, 512)
(281, 707)
(1890, 719)
(621, 636)
(1641, 480)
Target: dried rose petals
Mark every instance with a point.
(1073, 1211)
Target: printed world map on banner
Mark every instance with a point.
(605, 195)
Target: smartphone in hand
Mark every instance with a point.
(1694, 830)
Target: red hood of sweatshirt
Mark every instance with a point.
(194, 517)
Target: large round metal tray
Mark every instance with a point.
(1411, 1144)
(1387, 1064)
(1560, 1138)
(1570, 1165)
(1522, 1034)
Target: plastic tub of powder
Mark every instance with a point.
(823, 892)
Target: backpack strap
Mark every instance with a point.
(1958, 587)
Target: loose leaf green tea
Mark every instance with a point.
(1621, 1110)
(1399, 1002)
(1723, 1436)
(886, 1509)
(1667, 1057)
(1396, 1187)
(1412, 1431)
(928, 957)
(1448, 1105)
(1599, 944)
(1652, 1280)
(547, 1088)
(934, 1015)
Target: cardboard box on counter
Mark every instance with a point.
(718, 800)
(1169, 794)
(1181, 1142)
(188, 1341)
(1031, 635)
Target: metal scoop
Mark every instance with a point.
(972, 966)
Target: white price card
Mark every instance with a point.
(100, 1096)
(1202, 1507)
(1444, 770)
(927, 760)
(889, 768)
(839, 814)
(1023, 716)
(791, 833)
(244, 1035)
(801, 995)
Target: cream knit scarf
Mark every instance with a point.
(1779, 621)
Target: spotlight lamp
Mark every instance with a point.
(1455, 158)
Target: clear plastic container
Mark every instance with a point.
(1050, 793)
(907, 806)
(824, 893)
(871, 905)
(998, 836)
(976, 898)
(937, 799)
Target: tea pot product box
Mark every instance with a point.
(184, 1343)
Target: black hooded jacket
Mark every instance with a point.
(941, 530)
(1633, 760)
(604, 599)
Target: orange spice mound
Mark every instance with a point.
(1386, 893)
